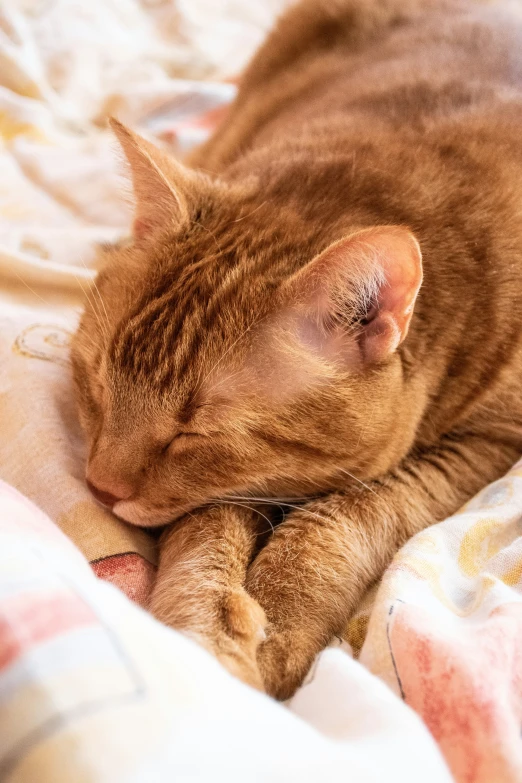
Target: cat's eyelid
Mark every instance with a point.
(182, 433)
(201, 405)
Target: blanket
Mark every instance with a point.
(442, 630)
(92, 689)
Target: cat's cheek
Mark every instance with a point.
(136, 514)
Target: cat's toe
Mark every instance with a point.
(240, 664)
(235, 638)
(244, 619)
(284, 661)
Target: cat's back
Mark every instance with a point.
(367, 64)
(369, 112)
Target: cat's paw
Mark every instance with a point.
(236, 635)
(297, 629)
(284, 660)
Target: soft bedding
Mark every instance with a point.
(86, 678)
(93, 689)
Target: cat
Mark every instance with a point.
(323, 311)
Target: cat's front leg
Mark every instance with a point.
(200, 586)
(315, 569)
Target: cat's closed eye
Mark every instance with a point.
(181, 439)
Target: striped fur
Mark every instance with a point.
(354, 115)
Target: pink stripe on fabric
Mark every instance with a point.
(29, 619)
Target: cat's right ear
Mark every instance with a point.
(162, 186)
(355, 300)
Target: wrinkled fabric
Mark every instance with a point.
(93, 689)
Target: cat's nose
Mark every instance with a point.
(108, 498)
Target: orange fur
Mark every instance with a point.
(267, 341)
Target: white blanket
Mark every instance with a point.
(93, 689)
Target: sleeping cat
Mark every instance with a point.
(324, 313)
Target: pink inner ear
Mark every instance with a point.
(381, 337)
(400, 259)
(380, 268)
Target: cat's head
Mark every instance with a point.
(226, 351)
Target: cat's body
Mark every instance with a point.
(416, 125)
(272, 306)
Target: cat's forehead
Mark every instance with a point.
(191, 297)
(185, 322)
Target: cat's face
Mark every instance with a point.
(211, 363)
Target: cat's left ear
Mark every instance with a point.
(162, 186)
(359, 294)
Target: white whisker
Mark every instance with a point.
(289, 505)
(228, 350)
(347, 472)
(244, 217)
(243, 505)
(48, 304)
(196, 223)
(99, 295)
(95, 310)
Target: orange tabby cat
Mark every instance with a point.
(269, 340)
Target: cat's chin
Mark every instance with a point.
(135, 514)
